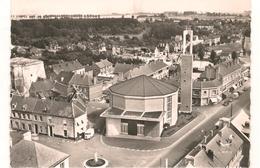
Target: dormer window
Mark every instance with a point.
(24, 107)
(14, 105)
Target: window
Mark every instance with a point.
(28, 116)
(77, 124)
(13, 114)
(64, 122)
(65, 133)
(169, 107)
(124, 128)
(12, 124)
(41, 118)
(35, 117)
(140, 129)
(19, 115)
(82, 121)
(214, 92)
(41, 129)
(30, 127)
(17, 124)
(24, 116)
(62, 165)
(23, 126)
(82, 129)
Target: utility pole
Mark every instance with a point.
(231, 110)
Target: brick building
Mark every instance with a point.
(49, 117)
(140, 107)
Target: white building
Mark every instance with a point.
(24, 71)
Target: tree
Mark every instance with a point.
(234, 55)
(214, 58)
(200, 50)
(201, 54)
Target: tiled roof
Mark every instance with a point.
(70, 78)
(197, 84)
(148, 69)
(64, 77)
(61, 89)
(78, 79)
(223, 154)
(48, 107)
(225, 68)
(123, 68)
(42, 85)
(32, 154)
(143, 86)
(67, 66)
(103, 63)
(23, 61)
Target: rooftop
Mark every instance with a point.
(143, 86)
(148, 69)
(67, 66)
(32, 154)
(48, 107)
(23, 61)
(103, 63)
(135, 115)
(224, 147)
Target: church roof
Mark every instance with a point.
(143, 86)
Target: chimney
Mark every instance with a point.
(210, 154)
(189, 159)
(212, 133)
(217, 72)
(226, 121)
(27, 136)
(94, 80)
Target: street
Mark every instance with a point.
(189, 140)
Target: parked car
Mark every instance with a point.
(226, 103)
(235, 95)
(89, 133)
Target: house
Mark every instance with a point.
(35, 52)
(140, 107)
(67, 82)
(24, 72)
(105, 67)
(123, 70)
(66, 119)
(217, 82)
(241, 125)
(156, 69)
(69, 66)
(27, 153)
(221, 148)
(162, 50)
(42, 89)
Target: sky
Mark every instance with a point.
(125, 6)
